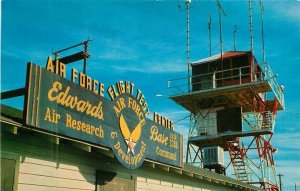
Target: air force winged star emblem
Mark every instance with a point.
(130, 138)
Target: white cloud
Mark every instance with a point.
(118, 55)
(289, 10)
(115, 50)
(287, 141)
(152, 67)
(29, 54)
(176, 115)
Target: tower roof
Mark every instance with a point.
(218, 56)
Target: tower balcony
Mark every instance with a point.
(235, 87)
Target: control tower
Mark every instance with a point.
(233, 102)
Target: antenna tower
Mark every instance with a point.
(230, 112)
(187, 2)
(262, 31)
(250, 23)
(220, 10)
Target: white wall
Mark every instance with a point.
(44, 166)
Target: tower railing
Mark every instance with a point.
(214, 80)
(276, 88)
(253, 121)
(226, 78)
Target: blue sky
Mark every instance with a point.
(144, 42)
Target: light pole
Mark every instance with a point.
(280, 184)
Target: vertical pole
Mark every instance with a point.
(234, 37)
(220, 25)
(262, 35)
(262, 30)
(84, 61)
(280, 183)
(187, 153)
(250, 23)
(209, 34)
(84, 66)
(188, 40)
(220, 19)
(214, 80)
(240, 74)
(55, 59)
(55, 56)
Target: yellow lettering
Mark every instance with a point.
(49, 65)
(82, 125)
(95, 84)
(56, 67)
(69, 121)
(56, 86)
(101, 89)
(117, 145)
(74, 124)
(142, 99)
(52, 116)
(92, 130)
(129, 87)
(88, 83)
(165, 154)
(111, 93)
(138, 94)
(82, 80)
(117, 111)
(48, 114)
(156, 136)
(101, 134)
(62, 69)
(121, 87)
(63, 98)
(74, 75)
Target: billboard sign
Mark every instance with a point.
(78, 109)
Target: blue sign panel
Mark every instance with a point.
(59, 106)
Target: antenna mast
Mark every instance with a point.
(209, 34)
(221, 10)
(250, 23)
(188, 40)
(262, 29)
(234, 37)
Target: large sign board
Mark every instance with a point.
(80, 111)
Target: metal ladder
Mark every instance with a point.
(237, 160)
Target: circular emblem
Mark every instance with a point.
(129, 145)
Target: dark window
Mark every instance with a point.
(229, 120)
(111, 181)
(202, 77)
(7, 174)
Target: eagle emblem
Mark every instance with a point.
(130, 138)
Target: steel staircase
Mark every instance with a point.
(237, 159)
(268, 121)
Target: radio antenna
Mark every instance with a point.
(250, 23)
(209, 34)
(262, 29)
(234, 37)
(221, 10)
(187, 2)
